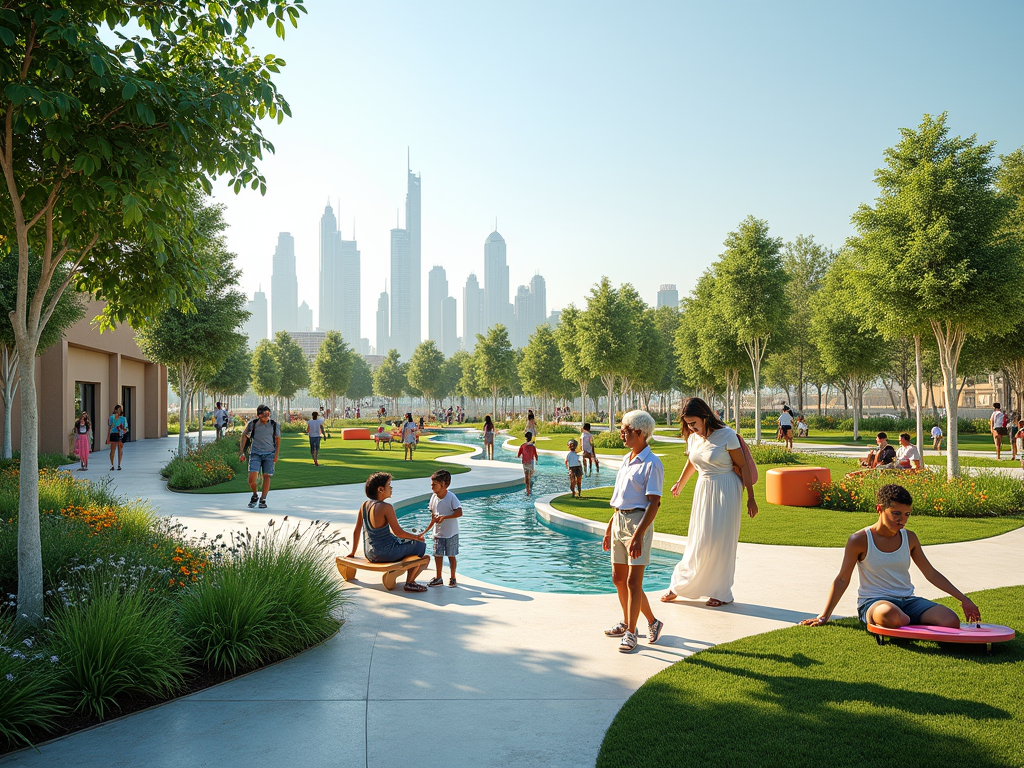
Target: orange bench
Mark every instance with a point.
(791, 486)
(347, 567)
(355, 433)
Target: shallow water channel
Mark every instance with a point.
(504, 542)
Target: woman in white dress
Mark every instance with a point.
(708, 566)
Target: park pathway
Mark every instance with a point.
(479, 675)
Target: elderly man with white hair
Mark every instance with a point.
(630, 532)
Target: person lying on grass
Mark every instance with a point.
(882, 554)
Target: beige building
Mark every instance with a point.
(95, 371)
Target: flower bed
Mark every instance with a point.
(214, 463)
(137, 612)
(983, 495)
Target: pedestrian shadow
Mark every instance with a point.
(464, 594)
(749, 609)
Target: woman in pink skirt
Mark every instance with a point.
(83, 442)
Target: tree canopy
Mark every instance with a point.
(332, 367)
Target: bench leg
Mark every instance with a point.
(348, 573)
(389, 579)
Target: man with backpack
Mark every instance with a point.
(999, 428)
(265, 436)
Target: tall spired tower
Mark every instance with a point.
(413, 225)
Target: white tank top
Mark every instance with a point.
(885, 574)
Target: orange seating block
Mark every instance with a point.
(791, 486)
(355, 433)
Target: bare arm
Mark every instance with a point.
(684, 478)
(856, 548)
(396, 527)
(740, 462)
(971, 611)
(356, 532)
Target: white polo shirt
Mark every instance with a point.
(636, 478)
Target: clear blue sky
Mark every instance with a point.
(608, 139)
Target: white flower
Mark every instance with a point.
(10, 678)
(54, 659)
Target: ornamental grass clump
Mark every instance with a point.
(30, 698)
(609, 440)
(215, 462)
(773, 454)
(267, 597)
(981, 495)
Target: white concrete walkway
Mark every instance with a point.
(480, 675)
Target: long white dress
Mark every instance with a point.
(708, 566)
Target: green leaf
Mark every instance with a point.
(6, 36)
(129, 90)
(97, 65)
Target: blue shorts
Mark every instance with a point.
(915, 607)
(262, 462)
(314, 443)
(448, 547)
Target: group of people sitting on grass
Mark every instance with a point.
(885, 456)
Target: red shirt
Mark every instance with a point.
(528, 452)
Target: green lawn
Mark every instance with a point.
(343, 462)
(830, 696)
(798, 526)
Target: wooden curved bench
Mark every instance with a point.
(347, 567)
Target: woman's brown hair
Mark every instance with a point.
(694, 407)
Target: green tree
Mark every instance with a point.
(469, 383)
(294, 368)
(750, 285)
(607, 338)
(653, 357)
(389, 378)
(425, 371)
(193, 337)
(667, 320)
(574, 369)
(360, 384)
(717, 350)
(495, 362)
(541, 371)
(266, 373)
(69, 310)
(332, 368)
(233, 378)
(934, 246)
(451, 373)
(113, 112)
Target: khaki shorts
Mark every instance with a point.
(624, 524)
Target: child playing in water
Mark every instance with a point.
(587, 443)
(528, 453)
(882, 554)
(572, 463)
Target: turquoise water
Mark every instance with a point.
(504, 542)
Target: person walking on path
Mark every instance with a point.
(316, 429)
(708, 566)
(408, 436)
(488, 437)
(636, 500)
(117, 432)
(83, 440)
(998, 421)
(220, 419)
(265, 435)
(937, 438)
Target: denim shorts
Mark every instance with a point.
(914, 606)
(447, 547)
(314, 443)
(262, 462)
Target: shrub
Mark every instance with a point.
(214, 463)
(982, 495)
(114, 642)
(773, 454)
(610, 440)
(271, 596)
(518, 427)
(29, 693)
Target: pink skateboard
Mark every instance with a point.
(966, 633)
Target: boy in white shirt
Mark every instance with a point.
(937, 438)
(572, 463)
(907, 455)
(445, 511)
(786, 426)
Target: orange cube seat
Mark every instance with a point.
(355, 433)
(791, 486)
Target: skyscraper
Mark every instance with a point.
(472, 312)
(256, 325)
(668, 296)
(539, 291)
(304, 318)
(284, 286)
(437, 291)
(413, 225)
(383, 313)
(330, 243)
(401, 294)
(496, 305)
(449, 326)
(524, 317)
(349, 289)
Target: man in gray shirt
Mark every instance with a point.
(265, 434)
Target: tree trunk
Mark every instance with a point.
(182, 416)
(818, 387)
(800, 385)
(917, 393)
(30, 553)
(9, 361)
(609, 383)
(951, 340)
(736, 399)
(856, 410)
(202, 397)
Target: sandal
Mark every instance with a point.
(437, 581)
(412, 586)
(668, 597)
(452, 582)
(714, 602)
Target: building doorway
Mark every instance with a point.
(85, 400)
(128, 403)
